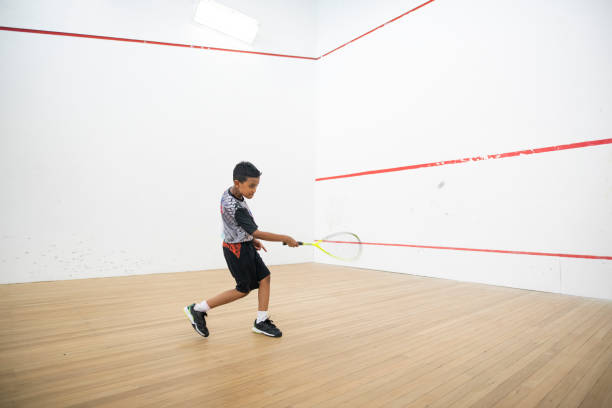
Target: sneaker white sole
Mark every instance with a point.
(189, 316)
(256, 330)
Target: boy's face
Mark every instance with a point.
(247, 188)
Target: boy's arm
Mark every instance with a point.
(269, 236)
(246, 222)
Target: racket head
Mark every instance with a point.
(344, 246)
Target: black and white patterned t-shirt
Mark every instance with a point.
(238, 222)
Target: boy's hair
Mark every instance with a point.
(245, 169)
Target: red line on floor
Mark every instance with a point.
(478, 158)
(499, 251)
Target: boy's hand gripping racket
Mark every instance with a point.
(344, 246)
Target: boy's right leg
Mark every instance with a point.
(225, 297)
(198, 317)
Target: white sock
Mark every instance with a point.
(262, 315)
(202, 307)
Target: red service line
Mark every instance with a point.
(379, 27)
(101, 37)
(478, 250)
(471, 159)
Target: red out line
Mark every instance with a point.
(101, 37)
(202, 47)
(379, 27)
(499, 251)
(477, 158)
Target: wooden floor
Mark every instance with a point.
(352, 337)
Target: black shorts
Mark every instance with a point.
(245, 264)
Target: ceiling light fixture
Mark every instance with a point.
(226, 20)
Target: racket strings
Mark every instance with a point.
(343, 245)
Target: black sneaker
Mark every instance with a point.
(266, 327)
(197, 319)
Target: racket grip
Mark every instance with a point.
(299, 243)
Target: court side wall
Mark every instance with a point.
(463, 79)
(114, 156)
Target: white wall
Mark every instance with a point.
(113, 156)
(463, 79)
(286, 26)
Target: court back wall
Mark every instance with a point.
(464, 79)
(114, 155)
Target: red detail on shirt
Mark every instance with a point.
(235, 248)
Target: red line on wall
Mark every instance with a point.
(379, 27)
(477, 158)
(202, 47)
(499, 251)
(101, 37)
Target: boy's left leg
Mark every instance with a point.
(263, 324)
(263, 295)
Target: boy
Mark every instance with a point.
(240, 246)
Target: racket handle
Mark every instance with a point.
(299, 243)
